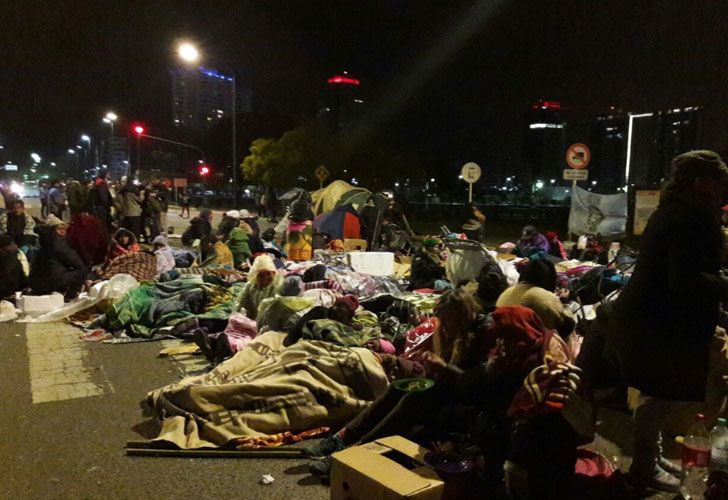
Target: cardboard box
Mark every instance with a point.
(373, 263)
(36, 305)
(388, 468)
(353, 245)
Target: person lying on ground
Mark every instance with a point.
(263, 282)
(528, 438)
(57, 268)
(199, 227)
(14, 276)
(536, 290)
(123, 242)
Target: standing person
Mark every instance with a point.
(78, 197)
(184, 202)
(43, 196)
(130, 207)
(18, 224)
(271, 205)
(369, 216)
(163, 194)
(57, 200)
(101, 199)
(667, 314)
(152, 210)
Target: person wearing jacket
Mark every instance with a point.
(101, 200)
(556, 247)
(57, 268)
(122, 243)
(14, 277)
(664, 320)
(199, 227)
(263, 282)
(18, 224)
(427, 266)
(238, 244)
(130, 207)
(152, 213)
(531, 242)
(78, 197)
(88, 236)
(230, 220)
(57, 200)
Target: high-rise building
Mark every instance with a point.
(544, 140)
(343, 102)
(201, 97)
(608, 144)
(114, 156)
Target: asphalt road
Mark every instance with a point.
(75, 448)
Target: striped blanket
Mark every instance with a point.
(266, 389)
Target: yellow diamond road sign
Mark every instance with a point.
(322, 173)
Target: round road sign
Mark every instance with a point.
(471, 172)
(578, 156)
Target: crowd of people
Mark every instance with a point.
(509, 384)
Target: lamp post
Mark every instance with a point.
(188, 53)
(87, 140)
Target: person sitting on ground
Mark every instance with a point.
(251, 221)
(87, 235)
(531, 242)
(165, 257)
(428, 268)
(270, 245)
(122, 243)
(199, 227)
(214, 253)
(230, 220)
(58, 268)
(12, 260)
(263, 282)
(556, 247)
(237, 242)
(18, 224)
(536, 290)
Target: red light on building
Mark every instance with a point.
(555, 105)
(339, 79)
(138, 130)
(204, 170)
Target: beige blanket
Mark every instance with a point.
(266, 389)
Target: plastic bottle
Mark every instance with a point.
(719, 446)
(695, 460)
(613, 252)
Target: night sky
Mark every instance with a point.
(450, 76)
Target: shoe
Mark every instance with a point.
(670, 466)
(658, 479)
(321, 467)
(324, 448)
(203, 342)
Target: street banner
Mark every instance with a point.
(592, 213)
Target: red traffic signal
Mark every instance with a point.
(204, 170)
(139, 130)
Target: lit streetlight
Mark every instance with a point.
(188, 53)
(85, 138)
(35, 157)
(109, 119)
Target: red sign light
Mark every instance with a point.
(338, 79)
(138, 130)
(204, 170)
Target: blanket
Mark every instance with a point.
(267, 389)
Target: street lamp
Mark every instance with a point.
(110, 118)
(188, 53)
(35, 157)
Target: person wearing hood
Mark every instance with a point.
(101, 200)
(122, 243)
(88, 236)
(199, 227)
(238, 243)
(263, 282)
(14, 276)
(230, 220)
(18, 224)
(130, 207)
(165, 257)
(556, 247)
(57, 268)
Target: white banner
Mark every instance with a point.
(592, 213)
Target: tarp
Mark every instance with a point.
(342, 223)
(592, 213)
(326, 199)
(291, 195)
(357, 197)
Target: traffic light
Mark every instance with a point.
(204, 170)
(138, 130)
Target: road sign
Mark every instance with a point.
(322, 173)
(575, 175)
(10, 167)
(578, 156)
(471, 172)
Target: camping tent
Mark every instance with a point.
(328, 198)
(342, 223)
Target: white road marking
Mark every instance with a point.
(59, 367)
